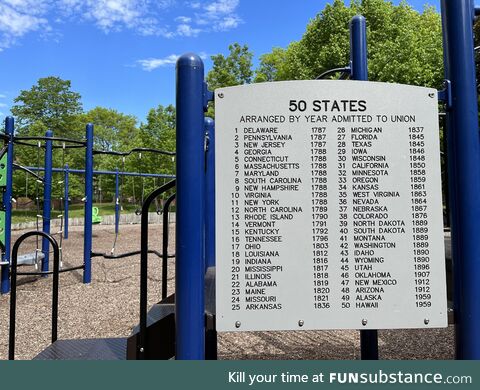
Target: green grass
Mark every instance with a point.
(74, 211)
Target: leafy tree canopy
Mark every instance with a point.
(234, 69)
(159, 132)
(50, 102)
(113, 130)
(404, 46)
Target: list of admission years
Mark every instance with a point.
(328, 207)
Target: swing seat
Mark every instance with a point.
(30, 258)
(96, 219)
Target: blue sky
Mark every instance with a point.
(121, 53)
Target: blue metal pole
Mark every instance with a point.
(450, 153)
(87, 239)
(66, 202)
(117, 201)
(210, 195)
(358, 48)
(359, 71)
(47, 198)
(464, 173)
(7, 204)
(190, 268)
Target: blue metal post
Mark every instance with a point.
(358, 48)
(117, 201)
(210, 195)
(359, 71)
(464, 173)
(47, 198)
(87, 239)
(7, 204)
(190, 268)
(451, 162)
(66, 202)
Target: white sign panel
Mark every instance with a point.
(328, 207)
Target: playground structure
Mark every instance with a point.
(183, 325)
(117, 174)
(91, 212)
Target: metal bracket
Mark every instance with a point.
(208, 96)
(445, 95)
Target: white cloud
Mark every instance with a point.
(183, 19)
(187, 31)
(220, 15)
(150, 64)
(146, 17)
(2, 96)
(221, 7)
(165, 3)
(20, 17)
(115, 15)
(3, 105)
(228, 23)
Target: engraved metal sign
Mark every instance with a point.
(328, 207)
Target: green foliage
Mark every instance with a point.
(113, 130)
(405, 46)
(50, 103)
(410, 50)
(324, 45)
(159, 130)
(235, 69)
(270, 65)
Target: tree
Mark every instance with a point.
(405, 46)
(270, 65)
(50, 102)
(159, 132)
(235, 69)
(160, 127)
(113, 130)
